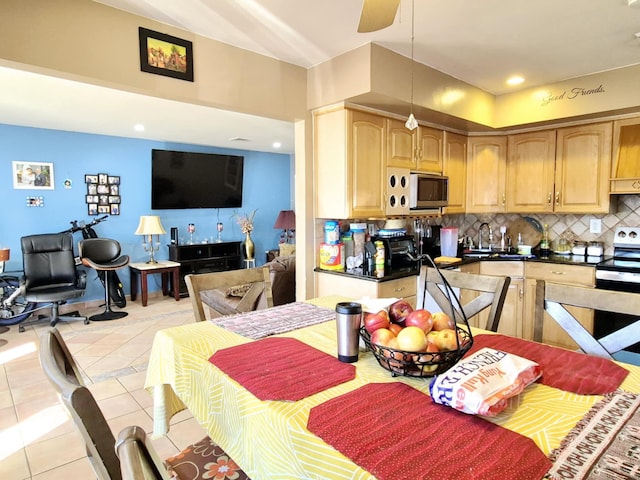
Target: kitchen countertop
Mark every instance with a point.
(406, 272)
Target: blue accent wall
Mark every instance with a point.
(267, 188)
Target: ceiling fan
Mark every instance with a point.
(377, 14)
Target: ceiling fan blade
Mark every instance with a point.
(377, 14)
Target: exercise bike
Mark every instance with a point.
(116, 290)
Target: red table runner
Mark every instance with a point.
(563, 369)
(282, 368)
(396, 432)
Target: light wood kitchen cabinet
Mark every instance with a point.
(625, 168)
(418, 150)
(455, 168)
(552, 334)
(583, 166)
(350, 171)
(486, 174)
(531, 171)
(356, 287)
(512, 319)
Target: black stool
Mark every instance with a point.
(103, 254)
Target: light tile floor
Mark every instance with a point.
(37, 438)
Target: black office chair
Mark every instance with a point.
(103, 254)
(50, 273)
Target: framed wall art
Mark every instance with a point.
(33, 175)
(103, 194)
(166, 55)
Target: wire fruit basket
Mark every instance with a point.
(418, 364)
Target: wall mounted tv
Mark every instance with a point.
(181, 180)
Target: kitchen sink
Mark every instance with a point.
(487, 253)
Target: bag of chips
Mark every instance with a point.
(483, 382)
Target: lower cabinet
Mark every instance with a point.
(512, 319)
(356, 287)
(552, 334)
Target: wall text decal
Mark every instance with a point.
(571, 94)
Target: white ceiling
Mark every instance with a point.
(480, 42)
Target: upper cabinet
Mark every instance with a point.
(625, 168)
(486, 174)
(418, 150)
(583, 165)
(350, 167)
(530, 171)
(455, 167)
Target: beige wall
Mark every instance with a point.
(89, 42)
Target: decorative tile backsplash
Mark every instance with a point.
(625, 208)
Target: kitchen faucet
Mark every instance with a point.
(482, 225)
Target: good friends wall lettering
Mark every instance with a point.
(572, 94)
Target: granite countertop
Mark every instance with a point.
(406, 272)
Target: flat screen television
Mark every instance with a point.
(181, 180)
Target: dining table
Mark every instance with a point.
(271, 439)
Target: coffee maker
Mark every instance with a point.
(427, 238)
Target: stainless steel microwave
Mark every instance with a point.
(428, 191)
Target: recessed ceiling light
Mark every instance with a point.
(515, 80)
(138, 127)
(277, 144)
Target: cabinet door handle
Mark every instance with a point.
(504, 199)
(559, 273)
(557, 198)
(549, 199)
(398, 289)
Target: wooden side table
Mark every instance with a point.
(164, 268)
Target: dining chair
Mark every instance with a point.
(553, 298)
(193, 463)
(229, 292)
(491, 292)
(138, 459)
(50, 274)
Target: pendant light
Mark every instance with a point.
(411, 122)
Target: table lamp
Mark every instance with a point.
(149, 226)
(287, 222)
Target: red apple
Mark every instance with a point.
(382, 336)
(399, 310)
(420, 318)
(429, 357)
(447, 339)
(442, 321)
(374, 321)
(412, 339)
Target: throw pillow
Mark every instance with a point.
(238, 290)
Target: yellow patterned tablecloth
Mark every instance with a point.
(269, 439)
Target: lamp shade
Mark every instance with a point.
(286, 220)
(150, 225)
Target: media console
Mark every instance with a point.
(204, 258)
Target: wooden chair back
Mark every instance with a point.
(61, 371)
(553, 297)
(138, 460)
(201, 282)
(492, 290)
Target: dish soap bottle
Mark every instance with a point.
(545, 245)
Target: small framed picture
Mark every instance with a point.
(91, 179)
(93, 208)
(115, 209)
(102, 178)
(103, 199)
(114, 190)
(92, 188)
(91, 198)
(33, 175)
(103, 189)
(113, 180)
(165, 55)
(104, 209)
(114, 198)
